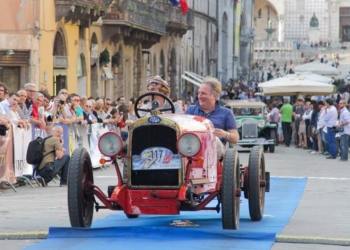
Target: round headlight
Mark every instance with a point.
(239, 124)
(188, 145)
(110, 144)
(261, 123)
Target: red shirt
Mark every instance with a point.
(35, 111)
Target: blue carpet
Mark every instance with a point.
(154, 232)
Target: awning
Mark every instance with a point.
(192, 78)
(108, 72)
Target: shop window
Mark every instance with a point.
(11, 77)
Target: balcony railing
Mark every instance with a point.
(137, 15)
(273, 45)
(177, 22)
(80, 10)
(278, 56)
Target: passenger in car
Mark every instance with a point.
(221, 117)
(157, 84)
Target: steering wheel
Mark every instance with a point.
(153, 94)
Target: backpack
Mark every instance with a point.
(35, 151)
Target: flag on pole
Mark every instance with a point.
(174, 2)
(184, 6)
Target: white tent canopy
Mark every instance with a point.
(318, 68)
(312, 77)
(297, 85)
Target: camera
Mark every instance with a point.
(61, 102)
(48, 117)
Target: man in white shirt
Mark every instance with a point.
(330, 119)
(7, 104)
(344, 121)
(321, 127)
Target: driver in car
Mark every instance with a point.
(157, 84)
(256, 112)
(222, 118)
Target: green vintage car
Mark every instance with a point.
(253, 128)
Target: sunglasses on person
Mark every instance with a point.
(88, 106)
(108, 104)
(154, 84)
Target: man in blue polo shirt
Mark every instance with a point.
(209, 107)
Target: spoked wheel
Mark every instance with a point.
(230, 190)
(257, 182)
(132, 216)
(80, 193)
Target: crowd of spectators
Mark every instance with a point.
(321, 127)
(37, 107)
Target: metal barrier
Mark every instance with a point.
(13, 149)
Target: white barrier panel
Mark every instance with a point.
(78, 137)
(21, 139)
(96, 131)
(6, 158)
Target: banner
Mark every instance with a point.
(78, 137)
(27, 137)
(65, 138)
(6, 158)
(20, 150)
(97, 130)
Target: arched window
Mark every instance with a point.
(59, 48)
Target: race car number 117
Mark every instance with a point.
(156, 158)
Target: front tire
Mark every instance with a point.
(230, 190)
(80, 192)
(256, 174)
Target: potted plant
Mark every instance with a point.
(104, 58)
(116, 59)
(97, 8)
(86, 8)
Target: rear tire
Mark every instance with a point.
(230, 186)
(256, 193)
(80, 192)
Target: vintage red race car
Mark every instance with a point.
(171, 165)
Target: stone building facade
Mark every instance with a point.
(290, 20)
(19, 43)
(109, 47)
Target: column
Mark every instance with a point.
(281, 28)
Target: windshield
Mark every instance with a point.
(247, 111)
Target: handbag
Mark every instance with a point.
(338, 130)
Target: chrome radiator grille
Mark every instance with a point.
(249, 129)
